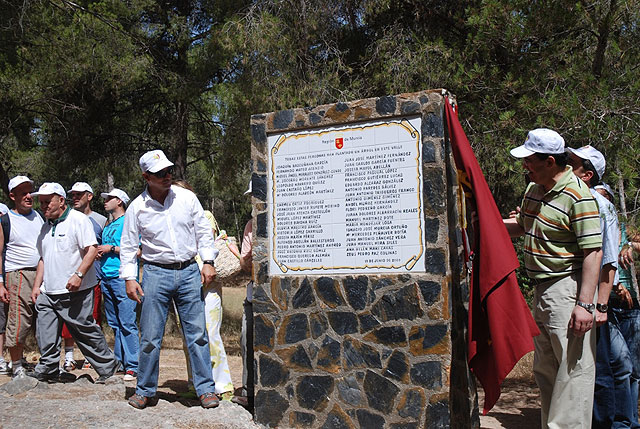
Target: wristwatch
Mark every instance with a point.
(602, 308)
(209, 262)
(113, 249)
(588, 307)
(79, 274)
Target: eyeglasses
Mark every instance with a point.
(163, 173)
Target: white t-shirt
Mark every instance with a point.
(62, 252)
(23, 235)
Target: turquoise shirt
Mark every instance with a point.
(111, 236)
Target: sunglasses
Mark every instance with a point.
(163, 173)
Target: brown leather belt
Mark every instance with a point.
(173, 266)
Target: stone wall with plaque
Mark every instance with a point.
(359, 298)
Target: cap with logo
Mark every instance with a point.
(592, 154)
(50, 188)
(81, 187)
(540, 140)
(17, 181)
(154, 161)
(118, 193)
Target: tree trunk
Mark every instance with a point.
(604, 29)
(623, 209)
(180, 140)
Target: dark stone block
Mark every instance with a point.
(427, 374)
(328, 291)
(431, 227)
(386, 105)
(438, 415)
(269, 407)
(319, 324)
(299, 123)
(388, 335)
(329, 355)
(356, 289)
(398, 304)
(369, 420)
(424, 339)
(300, 419)
(349, 390)
(261, 168)
(379, 283)
(397, 367)
(261, 225)
(259, 135)
(409, 425)
(264, 334)
(343, 322)
(409, 107)
(412, 403)
(282, 119)
(262, 276)
(434, 191)
(432, 125)
(435, 261)
(424, 99)
(342, 107)
(294, 328)
(313, 391)
(272, 372)
(304, 296)
(428, 152)
(360, 355)
(262, 304)
(367, 322)
(295, 357)
(259, 186)
(381, 392)
(315, 119)
(430, 291)
(337, 419)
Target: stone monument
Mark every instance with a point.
(359, 301)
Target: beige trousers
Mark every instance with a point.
(564, 365)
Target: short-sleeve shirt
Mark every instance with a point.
(559, 225)
(610, 229)
(111, 237)
(21, 248)
(62, 249)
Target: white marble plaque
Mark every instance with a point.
(348, 199)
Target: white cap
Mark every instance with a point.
(50, 188)
(81, 187)
(118, 193)
(606, 188)
(540, 140)
(3, 208)
(154, 161)
(592, 154)
(18, 180)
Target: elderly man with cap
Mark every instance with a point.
(19, 229)
(119, 309)
(63, 288)
(560, 222)
(613, 405)
(169, 223)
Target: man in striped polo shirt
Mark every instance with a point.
(562, 253)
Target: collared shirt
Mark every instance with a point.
(559, 225)
(171, 232)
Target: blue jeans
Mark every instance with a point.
(628, 322)
(160, 286)
(613, 405)
(121, 317)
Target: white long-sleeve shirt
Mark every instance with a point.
(168, 233)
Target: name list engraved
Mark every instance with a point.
(345, 200)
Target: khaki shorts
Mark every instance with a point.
(20, 314)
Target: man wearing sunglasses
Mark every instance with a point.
(169, 224)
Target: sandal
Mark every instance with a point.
(209, 400)
(138, 401)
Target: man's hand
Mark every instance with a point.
(581, 321)
(35, 293)
(624, 295)
(4, 293)
(626, 257)
(74, 283)
(601, 318)
(514, 213)
(207, 274)
(134, 291)
(102, 249)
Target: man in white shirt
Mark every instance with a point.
(20, 260)
(63, 289)
(169, 225)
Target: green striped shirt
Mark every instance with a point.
(558, 226)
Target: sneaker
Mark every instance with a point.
(209, 400)
(138, 401)
(28, 365)
(70, 365)
(19, 373)
(54, 377)
(129, 375)
(5, 368)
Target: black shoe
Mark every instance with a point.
(103, 378)
(53, 377)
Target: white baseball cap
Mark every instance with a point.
(592, 154)
(81, 187)
(18, 180)
(50, 188)
(154, 161)
(540, 140)
(118, 193)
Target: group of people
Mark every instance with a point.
(58, 262)
(587, 356)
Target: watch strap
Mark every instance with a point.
(588, 307)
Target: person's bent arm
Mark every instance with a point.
(607, 274)
(513, 227)
(74, 282)
(581, 320)
(38, 281)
